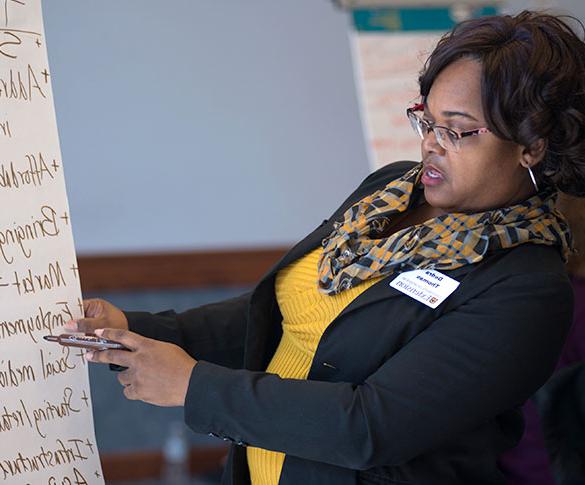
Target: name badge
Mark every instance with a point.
(427, 286)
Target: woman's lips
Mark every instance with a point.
(431, 176)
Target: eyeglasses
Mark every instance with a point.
(447, 138)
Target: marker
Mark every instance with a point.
(85, 341)
(90, 342)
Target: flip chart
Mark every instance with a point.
(46, 422)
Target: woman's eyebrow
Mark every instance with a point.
(463, 114)
(450, 114)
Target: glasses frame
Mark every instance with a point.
(447, 138)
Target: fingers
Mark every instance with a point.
(130, 393)
(124, 378)
(127, 338)
(85, 325)
(124, 358)
(157, 372)
(118, 357)
(93, 307)
(71, 326)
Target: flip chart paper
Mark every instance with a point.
(386, 67)
(46, 422)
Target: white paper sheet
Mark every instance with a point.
(386, 66)
(46, 422)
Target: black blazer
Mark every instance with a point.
(397, 392)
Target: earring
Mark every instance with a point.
(532, 178)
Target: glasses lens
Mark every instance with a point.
(416, 124)
(446, 138)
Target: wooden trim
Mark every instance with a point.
(144, 465)
(175, 270)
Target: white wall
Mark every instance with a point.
(192, 124)
(200, 124)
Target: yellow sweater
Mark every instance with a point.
(306, 314)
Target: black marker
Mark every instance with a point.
(90, 342)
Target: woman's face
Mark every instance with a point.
(486, 172)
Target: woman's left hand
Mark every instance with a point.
(158, 372)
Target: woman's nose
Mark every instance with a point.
(430, 144)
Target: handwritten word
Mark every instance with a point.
(78, 479)
(5, 129)
(34, 175)
(20, 86)
(15, 376)
(42, 227)
(63, 454)
(12, 2)
(42, 320)
(59, 365)
(51, 411)
(21, 417)
(14, 41)
(10, 420)
(34, 282)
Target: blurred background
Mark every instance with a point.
(200, 140)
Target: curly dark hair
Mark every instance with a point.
(532, 84)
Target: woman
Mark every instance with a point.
(397, 341)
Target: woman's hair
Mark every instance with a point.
(532, 84)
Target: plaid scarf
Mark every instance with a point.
(352, 254)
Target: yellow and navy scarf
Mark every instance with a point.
(352, 254)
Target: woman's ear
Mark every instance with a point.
(534, 154)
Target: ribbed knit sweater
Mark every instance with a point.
(306, 313)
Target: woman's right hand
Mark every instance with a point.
(98, 314)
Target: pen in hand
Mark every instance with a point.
(89, 342)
